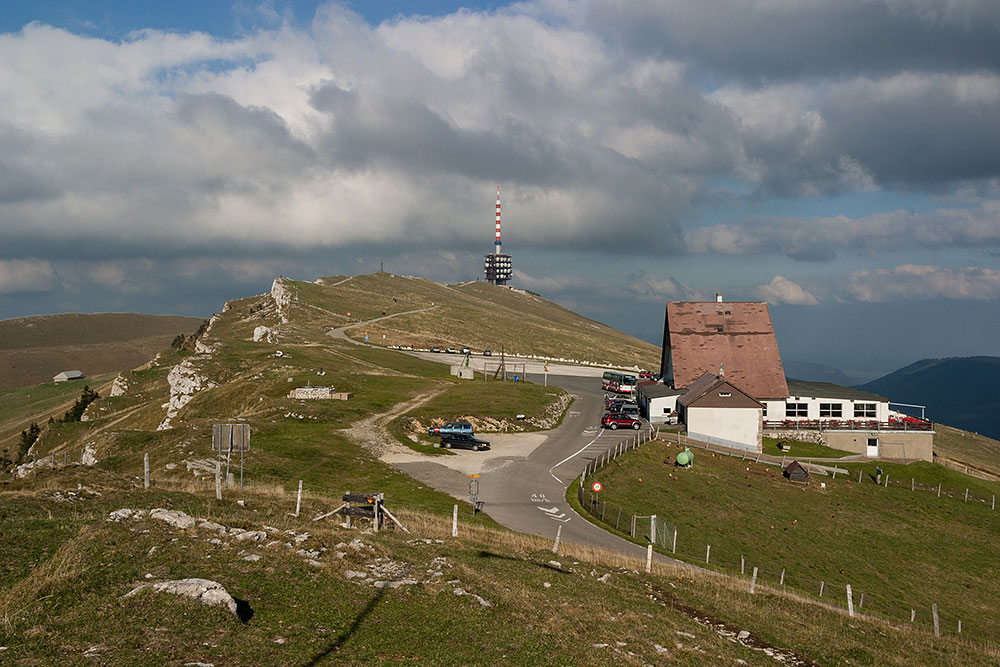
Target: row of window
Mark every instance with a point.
(832, 410)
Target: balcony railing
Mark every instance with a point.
(849, 425)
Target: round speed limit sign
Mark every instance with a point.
(596, 487)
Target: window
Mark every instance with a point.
(866, 410)
(718, 329)
(764, 414)
(831, 410)
(796, 410)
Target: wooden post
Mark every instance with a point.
(782, 582)
(886, 485)
(146, 467)
(742, 565)
(993, 506)
(753, 581)
(632, 529)
(604, 506)
(619, 518)
(861, 603)
(555, 545)
(649, 558)
(959, 626)
(821, 585)
(218, 479)
(939, 489)
(454, 521)
(911, 484)
(652, 529)
(674, 547)
(850, 601)
(913, 615)
(834, 471)
(937, 623)
(298, 500)
(859, 477)
(966, 495)
(708, 552)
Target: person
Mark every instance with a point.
(878, 475)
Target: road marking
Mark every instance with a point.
(571, 456)
(539, 498)
(574, 413)
(560, 517)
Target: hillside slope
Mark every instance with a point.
(34, 349)
(962, 392)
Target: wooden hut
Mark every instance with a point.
(795, 472)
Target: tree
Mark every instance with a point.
(86, 398)
(28, 438)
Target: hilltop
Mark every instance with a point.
(34, 349)
(80, 536)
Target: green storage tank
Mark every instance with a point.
(685, 458)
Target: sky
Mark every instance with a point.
(839, 159)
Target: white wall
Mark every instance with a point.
(776, 409)
(659, 408)
(731, 427)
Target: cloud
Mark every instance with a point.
(822, 239)
(24, 275)
(919, 283)
(783, 291)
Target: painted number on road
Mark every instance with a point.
(539, 498)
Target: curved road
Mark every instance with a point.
(523, 480)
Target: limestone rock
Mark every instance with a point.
(203, 590)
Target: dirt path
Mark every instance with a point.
(371, 432)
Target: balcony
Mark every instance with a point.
(905, 424)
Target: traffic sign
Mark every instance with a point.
(596, 487)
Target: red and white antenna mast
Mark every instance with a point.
(496, 249)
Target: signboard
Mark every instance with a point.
(231, 437)
(360, 510)
(359, 498)
(597, 487)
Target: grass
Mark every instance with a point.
(801, 449)
(843, 534)
(498, 401)
(969, 448)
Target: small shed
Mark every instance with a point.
(66, 376)
(795, 472)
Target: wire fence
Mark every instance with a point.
(833, 588)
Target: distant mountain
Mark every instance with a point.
(809, 372)
(33, 349)
(958, 391)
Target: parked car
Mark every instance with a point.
(646, 375)
(624, 406)
(435, 348)
(466, 350)
(487, 353)
(464, 441)
(616, 420)
(449, 350)
(451, 428)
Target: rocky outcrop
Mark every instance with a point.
(265, 334)
(185, 382)
(283, 297)
(204, 591)
(120, 386)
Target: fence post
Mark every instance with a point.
(959, 626)
(913, 615)
(298, 499)
(619, 518)
(218, 479)
(821, 584)
(937, 624)
(993, 506)
(708, 552)
(859, 477)
(146, 471)
(861, 602)
(911, 484)
(555, 545)
(674, 547)
(604, 506)
(632, 529)
(782, 582)
(652, 529)
(939, 489)
(454, 521)
(850, 601)
(649, 558)
(967, 495)
(753, 581)
(742, 565)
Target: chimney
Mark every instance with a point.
(718, 297)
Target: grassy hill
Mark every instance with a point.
(34, 349)
(485, 597)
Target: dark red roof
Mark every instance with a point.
(701, 337)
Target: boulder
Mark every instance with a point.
(203, 590)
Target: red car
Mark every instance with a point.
(616, 420)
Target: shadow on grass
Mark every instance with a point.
(243, 610)
(547, 566)
(344, 636)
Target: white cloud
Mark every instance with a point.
(920, 282)
(784, 291)
(26, 275)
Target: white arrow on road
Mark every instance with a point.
(551, 511)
